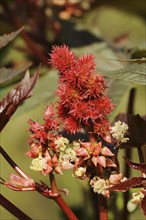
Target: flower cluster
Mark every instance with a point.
(101, 186)
(85, 157)
(83, 102)
(44, 150)
(137, 197)
(119, 130)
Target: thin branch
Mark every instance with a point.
(128, 154)
(13, 164)
(53, 184)
(65, 208)
(59, 200)
(13, 209)
(101, 210)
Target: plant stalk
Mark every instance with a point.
(102, 201)
(59, 200)
(128, 154)
(65, 208)
(13, 209)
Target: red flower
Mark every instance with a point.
(82, 101)
(62, 58)
(71, 125)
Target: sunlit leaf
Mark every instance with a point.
(15, 97)
(138, 61)
(44, 92)
(135, 73)
(110, 23)
(9, 75)
(6, 38)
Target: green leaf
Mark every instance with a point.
(118, 90)
(135, 73)
(7, 38)
(110, 23)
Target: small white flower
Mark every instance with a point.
(38, 164)
(61, 142)
(76, 144)
(118, 131)
(68, 154)
(99, 185)
(80, 172)
(137, 197)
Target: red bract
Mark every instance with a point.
(82, 101)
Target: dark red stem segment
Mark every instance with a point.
(13, 164)
(8, 158)
(102, 201)
(13, 209)
(128, 154)
(103, 211)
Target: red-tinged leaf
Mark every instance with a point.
(6, 38)
(137, 166)
(127, 184)
(16, 96)
(143, 205)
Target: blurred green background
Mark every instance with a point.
(109, 30)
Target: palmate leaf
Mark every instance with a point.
(7, 38)
(9, 75)
(137, 166)
(127, 184)
(135, 73)
(15, 97)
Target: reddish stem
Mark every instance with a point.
(13, 209)
(103, 212)
(53, 184)
(59, 200)
(62, 204)
(102, 201)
